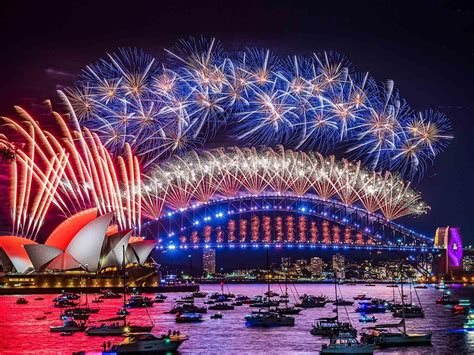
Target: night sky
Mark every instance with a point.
(426, 47)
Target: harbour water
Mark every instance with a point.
(21, 333)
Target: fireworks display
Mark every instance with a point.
(232, 172)
(70, 169)
(317, 103)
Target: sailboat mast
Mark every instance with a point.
(268, 277)
(124, 285)
(335, 292)
(403, 304)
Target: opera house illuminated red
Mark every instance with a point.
(84, 241)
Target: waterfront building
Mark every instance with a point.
(338, 265)
(209, 261)
(316, 265)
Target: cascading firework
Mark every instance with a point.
(319, 103)
(231, 172)
(70, 169)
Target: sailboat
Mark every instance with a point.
(268, 318)
(411, 310)
(119, 325)
(332, 326)
(285, 299)
(384, 338)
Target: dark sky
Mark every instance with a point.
(426, 47)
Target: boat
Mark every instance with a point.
(366, 319)
(221, 307)
(342, 302)
(330, 326)
(108, 294)
(116, 326)
(79, 313)
(366, 307)
(148, 343)
(288, 310)
(139, 302)
(271, 293)
(63, 303)
(47, 312)
(237, 303)
(188, 317)
(69, 325)
(21, 300)
(209, 302)
(241, 298)
(411, 311)
(68, 296)
(370, 285)
(441, 285)
(421, 286)
(39, 299)
(185, 299)
(123, 311)
(446, 299)
(469, 322)
(346, 343)
(119, 325)
(362, 297)
(40, 318)
(463, 307)
(392, 285)
(382, 337)
(160, 296)
(188, 308)
(199, 294)
(216, 316)
(312, 302)
(268, 319)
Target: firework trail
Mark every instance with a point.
(317, 103)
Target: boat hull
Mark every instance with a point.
(159, 346)
(353, 349)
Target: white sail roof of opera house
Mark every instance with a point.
(94, 246)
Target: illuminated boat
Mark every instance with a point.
(366, 319)
(365, 307)
(411, 311)
(312, 302)
(108, 294)
(188, 317)
(331, 326)
(117, 326)
(446, 299)
(382, 337)
(188, 308)
(148, 343)
(139, 302)
(346, 343)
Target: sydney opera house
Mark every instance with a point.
(85, 241)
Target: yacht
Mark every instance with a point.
(346, 343)
(117, 326)
(288, 310)
(312, 302)
(366, 307)
(268, 319)
(446, 299)
(188, 308)
(139, 302)
(21, 300)
(68, 326)
(385, 339)
(331, 326)
(343, 302)
(266, 302)
(199, 294)
(108, 294)
(221, 307)
(145, 342)
(411, 311)
(188, 317)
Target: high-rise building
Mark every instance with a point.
(285, 263)
(209, 261)
(338, 266)
(316, 266)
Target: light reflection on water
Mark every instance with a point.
(20, 332)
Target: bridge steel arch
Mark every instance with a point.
(186, 227)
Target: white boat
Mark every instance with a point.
(148, 343)
(346, 343)
(68, 326)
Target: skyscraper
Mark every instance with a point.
(316, 266)
(338, 265)
(209, 261)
